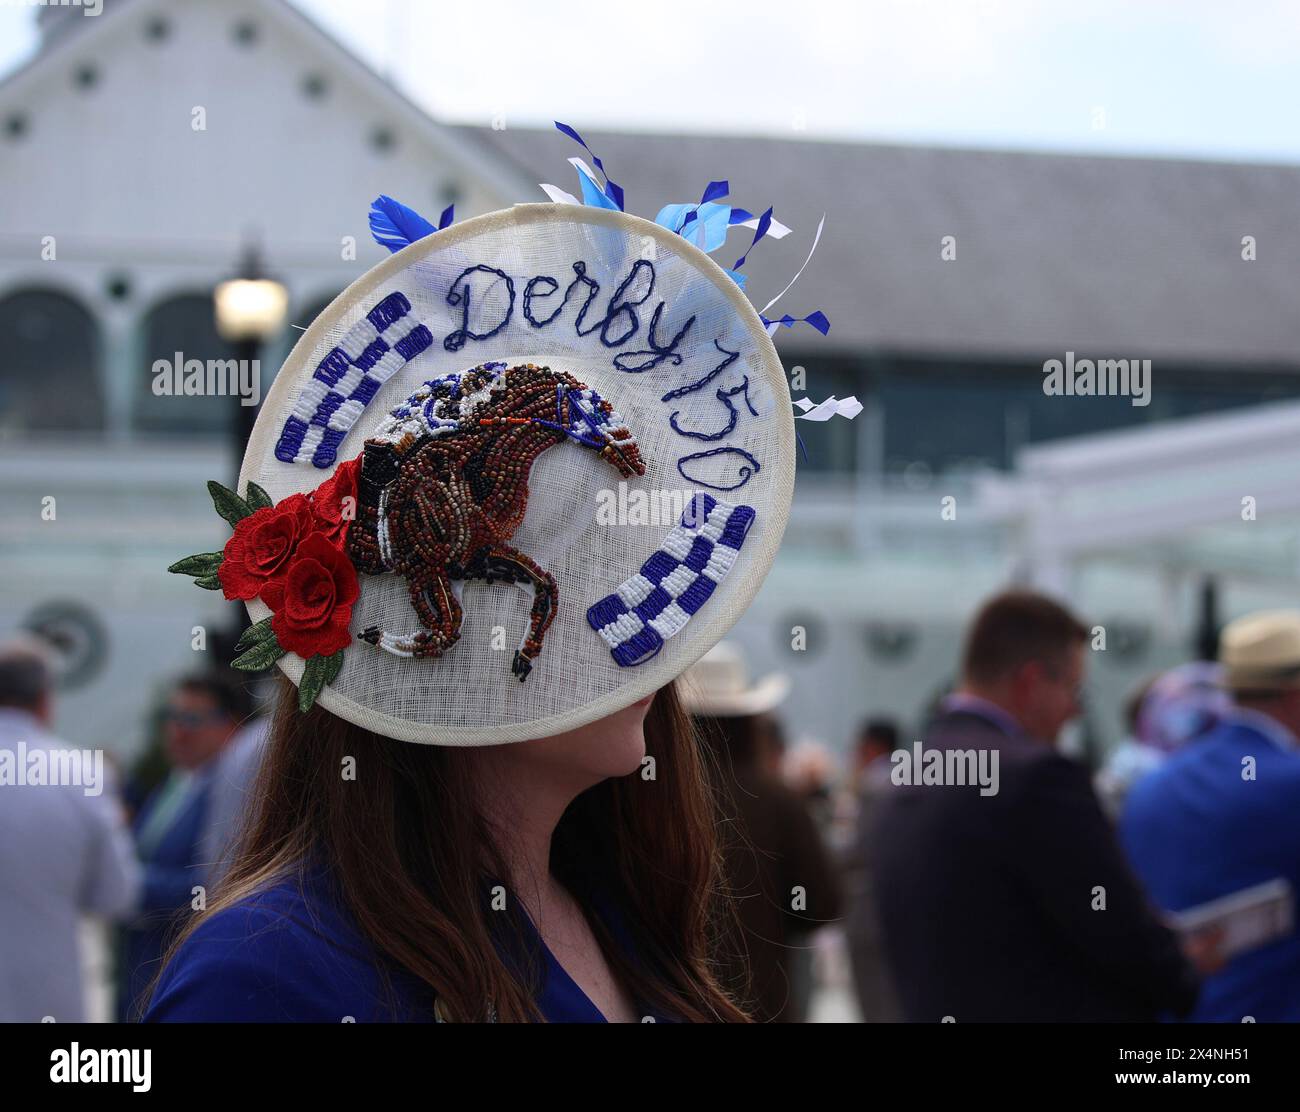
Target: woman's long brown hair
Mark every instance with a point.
(407, 847)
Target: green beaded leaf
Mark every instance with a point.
(208, 582)
(262, 655)
(256, 497)
(203, 564)
(320, 671)
(254, 635)
(333, 665)
(229, 505)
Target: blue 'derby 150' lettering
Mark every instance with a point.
(485, 298)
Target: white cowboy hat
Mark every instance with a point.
(717, 685)
(561, 396)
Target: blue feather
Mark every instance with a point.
(714, 191)
(764, 222)
(395, 226)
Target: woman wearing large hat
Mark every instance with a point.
(478, 802)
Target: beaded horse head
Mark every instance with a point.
(444, 485)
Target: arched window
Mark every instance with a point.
(50, 374)
(178, 332)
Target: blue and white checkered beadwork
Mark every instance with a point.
(674, 582)
(345, 381)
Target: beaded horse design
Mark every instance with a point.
(444, 485)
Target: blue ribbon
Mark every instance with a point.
(816, 319)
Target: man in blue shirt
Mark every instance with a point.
(1223, 814)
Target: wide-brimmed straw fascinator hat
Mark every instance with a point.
(560, 398)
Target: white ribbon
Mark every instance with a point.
(771, 328)
(848, 408)
(775, 228)
(558, 195)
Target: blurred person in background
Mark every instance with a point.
(1162, 713)
(1017, 904)
(877, 998)
(877, 739)
(187, 825)
(1223, 814)
(65, 851)
(1130, 760)
(230, 804)
(809, 771)
(771, 746)
(776, 866)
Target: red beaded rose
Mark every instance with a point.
(312, 604)
(262, 546)
(332, 498)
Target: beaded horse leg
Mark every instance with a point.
(428, 584)
(505, 562)
(439, 611)
(379, 468)
(436, 605)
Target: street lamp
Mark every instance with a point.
(250, 309)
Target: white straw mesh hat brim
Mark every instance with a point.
(468, 695)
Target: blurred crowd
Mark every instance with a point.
(962, 870)
(973, 872)
(139, 848)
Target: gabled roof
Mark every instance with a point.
(1103, 256)
(81, 35)
(1116, 257)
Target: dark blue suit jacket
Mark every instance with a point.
(1196, 830)
(988, 903)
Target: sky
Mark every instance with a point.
(1158, 77)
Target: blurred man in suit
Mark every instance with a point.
(1010, 899)
(1223, 814)
(65, 851)
(184, 831)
